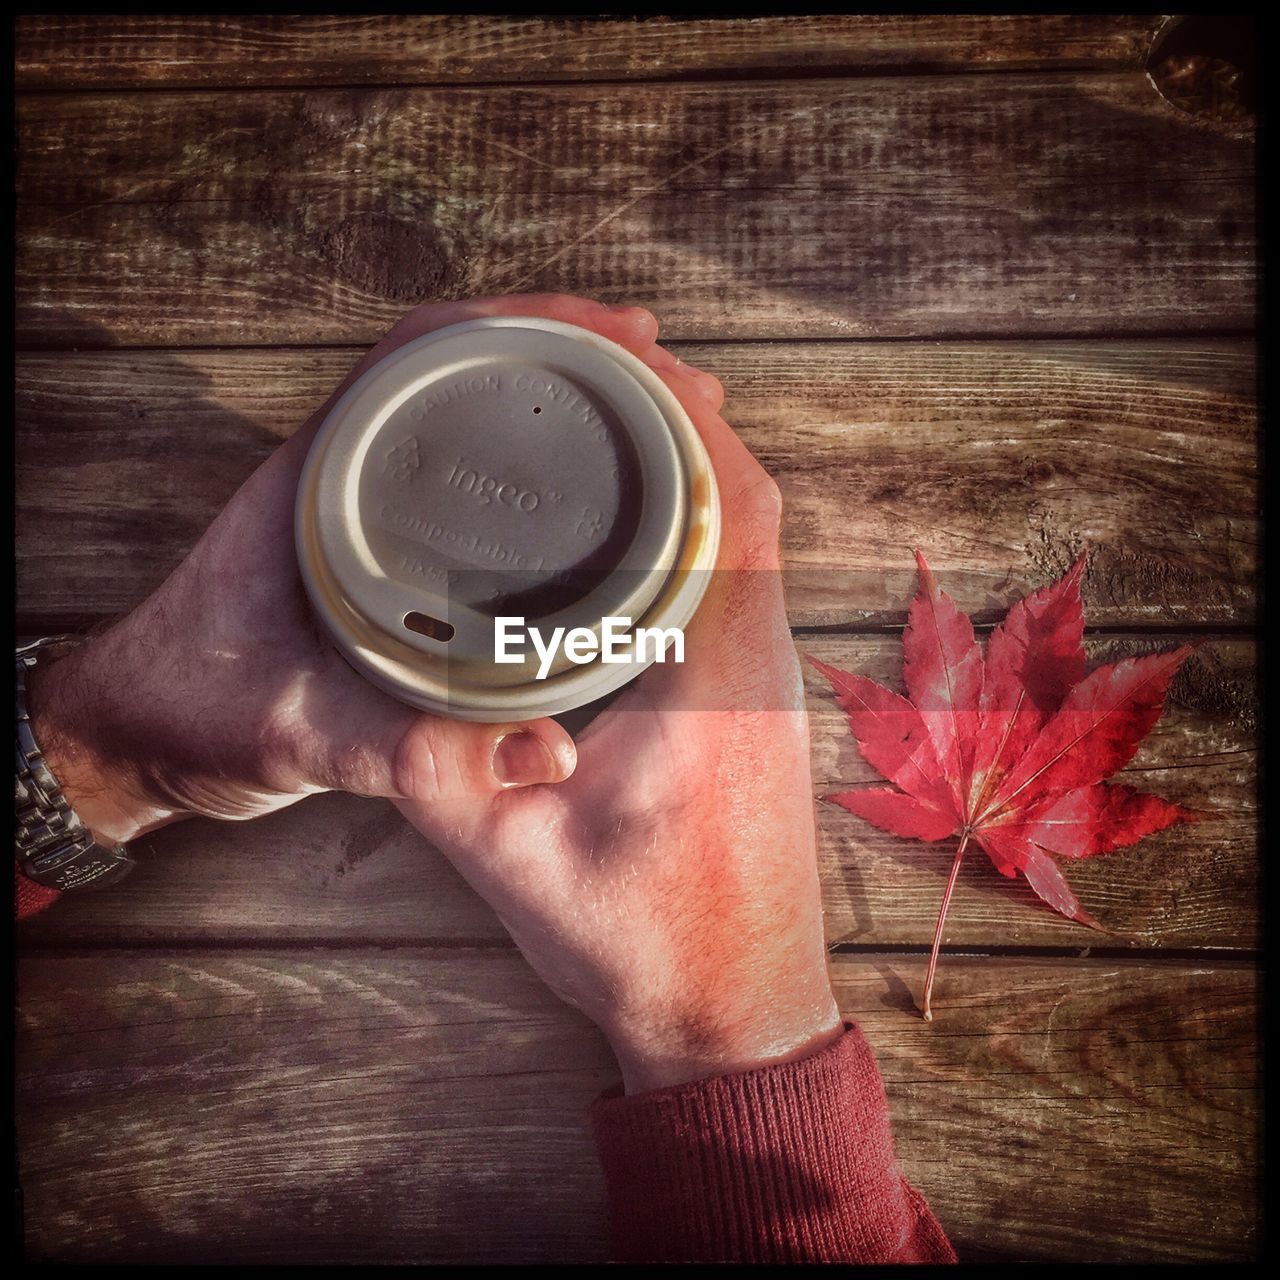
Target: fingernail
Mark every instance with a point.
(522, 759)
(618, 308)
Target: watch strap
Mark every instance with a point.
(53, 846)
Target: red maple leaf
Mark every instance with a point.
(1010, 749)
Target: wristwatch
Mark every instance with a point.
(54, 848)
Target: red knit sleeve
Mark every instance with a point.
(29, 897)
(786, 1163)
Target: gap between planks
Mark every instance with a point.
(1227, 334)
(747, 75)
(1217, 957)
(32, 626)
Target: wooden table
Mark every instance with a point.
(972, 285)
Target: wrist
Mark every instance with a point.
(689, 1049)
(68, 708)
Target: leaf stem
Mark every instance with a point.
(942, 915)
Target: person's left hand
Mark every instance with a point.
(219, 695)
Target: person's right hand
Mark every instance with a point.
(669, 888)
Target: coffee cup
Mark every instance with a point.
(506, 518)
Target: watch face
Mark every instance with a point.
(74, 864)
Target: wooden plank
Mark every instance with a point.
(336, 867)
(1001, 460)
(406, 1105)
(129, 51)
(889, 207)
(1052, 1117)
(320, 1107)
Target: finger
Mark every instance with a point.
(392, 751)
(750, 500)
(631, 327)
(738, 653)
(698, 382)
(441, 762)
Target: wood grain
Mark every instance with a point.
(370, 1106)
(127, 52)
(889, 207)
(340, 868)
(1002, 460)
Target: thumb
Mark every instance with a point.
(439, 761)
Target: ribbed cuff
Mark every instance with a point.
(786, 1163)
(30, 897)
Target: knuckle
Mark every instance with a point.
(416, 768)
(762, 498)
(356, 770)
(713, 387)
(758, 510)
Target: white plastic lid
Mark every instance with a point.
(508, 466)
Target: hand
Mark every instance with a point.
(219, 696)
(669, 888)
